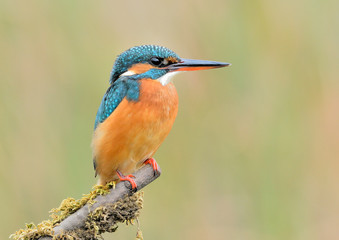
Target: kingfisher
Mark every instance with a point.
(138, 110)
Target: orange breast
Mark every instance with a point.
(135, 130)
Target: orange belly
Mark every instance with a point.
(135, 130)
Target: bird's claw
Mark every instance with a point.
(154, 164)
(128, 178)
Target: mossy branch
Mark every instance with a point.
(101, 214)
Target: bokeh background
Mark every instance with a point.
(254, 151)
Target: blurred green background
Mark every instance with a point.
(254, 150)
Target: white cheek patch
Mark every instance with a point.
(164, 80)
(128, 73)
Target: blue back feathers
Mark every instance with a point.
(123, 87)
(129, 86)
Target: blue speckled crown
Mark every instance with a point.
(138, 54)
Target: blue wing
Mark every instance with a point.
(112, 98)
(123, 87)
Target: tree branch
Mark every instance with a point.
(77, 220)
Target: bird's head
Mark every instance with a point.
(156, 62)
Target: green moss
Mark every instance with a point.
(33, 231)
(103, 219)
(69, 205)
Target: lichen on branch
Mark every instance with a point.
(95, 213)
(102, 219)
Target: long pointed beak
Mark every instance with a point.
(193, 65)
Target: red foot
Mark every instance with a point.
(153, 163)
(122, 177)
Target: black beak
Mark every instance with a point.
(193, 65)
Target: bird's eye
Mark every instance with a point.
(156, 61)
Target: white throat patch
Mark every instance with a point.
(164, 80)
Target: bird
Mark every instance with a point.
(138, 110)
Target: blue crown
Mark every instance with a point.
(139, 54)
